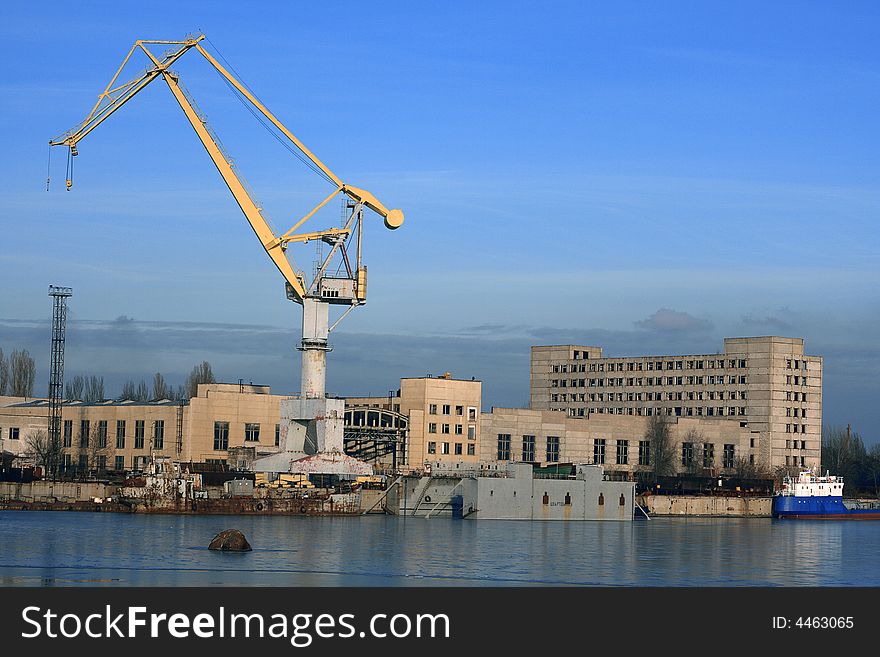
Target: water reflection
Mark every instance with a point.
(102, 549)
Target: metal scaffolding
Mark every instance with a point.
(56, 371)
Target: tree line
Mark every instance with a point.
(18, 373)
(844, 454)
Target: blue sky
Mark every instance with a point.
(647, 177)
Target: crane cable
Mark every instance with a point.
(261, 119)
(49, 168)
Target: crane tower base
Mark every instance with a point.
(311, 439)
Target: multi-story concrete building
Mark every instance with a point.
(444, 417)
(766, 382)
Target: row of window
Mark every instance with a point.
(677, 411)
(99, 434)
(795, 444)
(649, 396)
(621, 451)
(795, 412)
(795, 364)
(706, 455)
(551, 448)
(459, 410)
(14, 433)
(444, 448)
(793, 380)
(251, 434)
(459, 429)
(620, 382)
(638, 366)
(100, 462)
(796, 460)
(795, 428)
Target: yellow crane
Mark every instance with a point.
(324, 289)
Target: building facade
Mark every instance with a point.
(767, 382)
(125, 435)
(444, 417)
(622, 444)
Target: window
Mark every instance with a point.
(432, 409)
(84, 433)
(445, 448)
(644, 452)
(459, 430)
(221, 435)
(552, 449)
(472, 414)
(432, 448)
(687, 454)
(102, 434)
(458, 448)
(159, 434)
(251, 432)
(83, 462)
(139, 434)
(445, 428)
(472, 432)
(68, 433)
(528, 448)
(459, 410)
(13, 433)
(708, 455)
(729, 456)
(471, 450)
(277, 435)
(446, 409)
(503, 446)
(622, 452)
(120, 435)
(102, 462)
(432, 427)
(599, 450)
(119, 463)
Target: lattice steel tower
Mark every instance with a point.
(56, 372)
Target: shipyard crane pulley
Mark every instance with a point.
(348, 290)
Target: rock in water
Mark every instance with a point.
(230, 540)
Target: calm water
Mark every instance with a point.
(64, 549)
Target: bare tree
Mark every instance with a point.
(161, 389)
(746, 469)
(873, 469)
(142, 393)
(23, 373)
(694, 438)
(75, 388)
(128, 391)
(662, 451)
(45, 451)
(94, 389)
(843, 452)
(200, 374)
(4, 374)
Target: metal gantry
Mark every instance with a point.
(56, 371)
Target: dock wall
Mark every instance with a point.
(706, 506)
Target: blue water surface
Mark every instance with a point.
(39, 548)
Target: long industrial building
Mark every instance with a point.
(758, 403)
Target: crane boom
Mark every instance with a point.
(115, 97)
